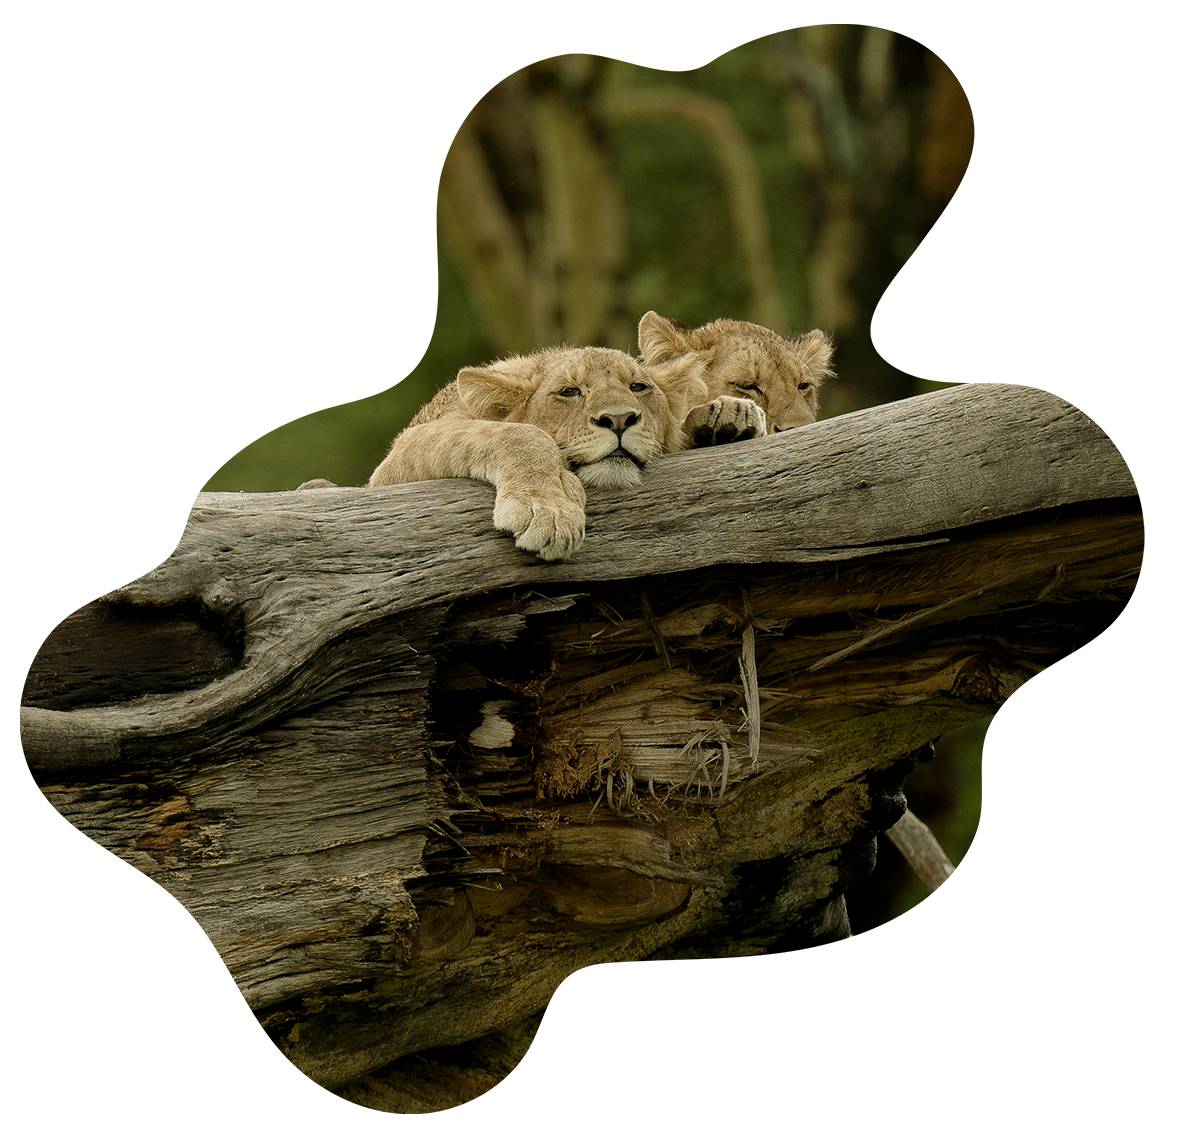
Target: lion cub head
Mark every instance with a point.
(609, 414)
(782, 374)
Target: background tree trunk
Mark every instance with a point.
(409, 778)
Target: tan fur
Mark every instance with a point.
(758, 381)
(540, 426)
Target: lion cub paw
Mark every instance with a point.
(723, 420)
(550, 526)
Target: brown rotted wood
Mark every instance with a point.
(408, 778)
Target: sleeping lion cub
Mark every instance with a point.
(760, 382)
(539, 426)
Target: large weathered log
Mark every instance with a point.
(408, 778)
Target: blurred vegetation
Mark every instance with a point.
(786, 183)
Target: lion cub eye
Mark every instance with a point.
(570, 391)
(747, 388)
(639, 387)
(803, 387)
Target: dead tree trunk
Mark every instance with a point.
(408, 778)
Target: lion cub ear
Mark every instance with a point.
(492, 393)
(815, 353)
(661, 339)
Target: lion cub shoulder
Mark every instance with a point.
(540, 426)
(758, 381)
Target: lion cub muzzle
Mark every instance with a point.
(619, 424)
(622, 457)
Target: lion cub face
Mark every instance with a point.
(608, 413)
(780, 374)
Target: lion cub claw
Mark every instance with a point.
(723, 420)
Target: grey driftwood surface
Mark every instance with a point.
(408, 778)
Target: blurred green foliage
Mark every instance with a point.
(858, 138)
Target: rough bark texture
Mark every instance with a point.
(408, 778)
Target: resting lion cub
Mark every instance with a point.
(539, 426)
(760, 382)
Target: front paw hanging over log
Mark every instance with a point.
(552, 525)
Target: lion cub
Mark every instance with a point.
(540, 426)
(760, 382)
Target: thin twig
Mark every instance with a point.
(921, 850)
(892, 628)
(750, 679)
(654, 630)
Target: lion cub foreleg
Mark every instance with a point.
(538, 500)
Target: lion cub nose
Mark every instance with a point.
(618, 421)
